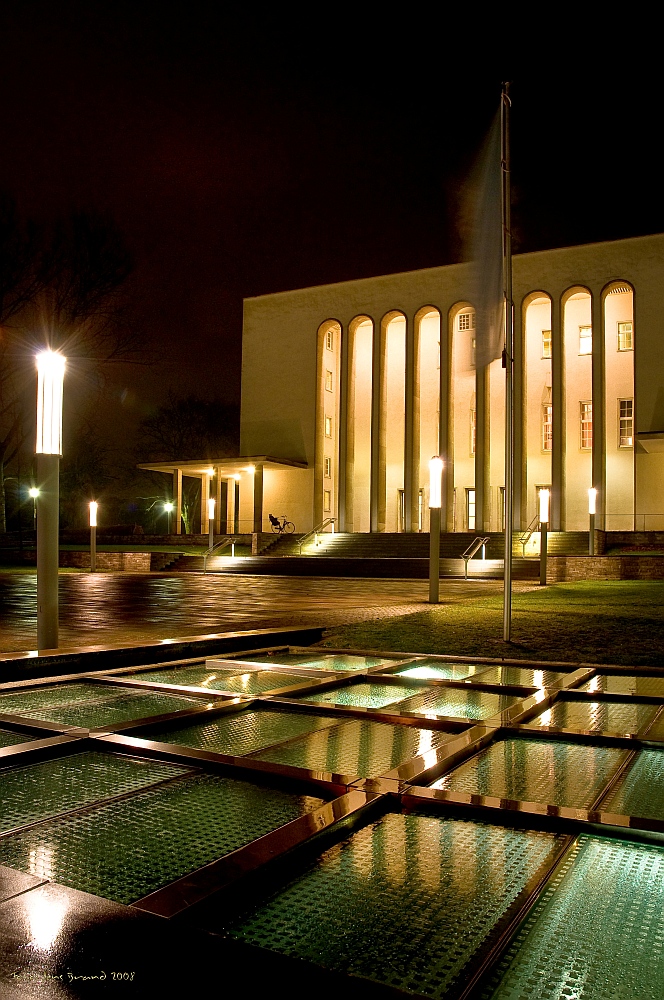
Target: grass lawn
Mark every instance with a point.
(613, 622)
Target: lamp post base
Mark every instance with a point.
(48, 550)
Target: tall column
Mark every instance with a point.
(258, 499)
(557, 521)
(220, 508)
(482, 449)
(236, 507)
(382, 425)
(411, 453)
(376, 391)
(445, 436)
(342, 469)
(519, 401)
(205, 496)
(177, 499)
(599, 408)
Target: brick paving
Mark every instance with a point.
(105, 608)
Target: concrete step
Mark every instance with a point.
(398, 569)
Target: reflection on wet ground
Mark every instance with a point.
(104, 608)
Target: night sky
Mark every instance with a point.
(247, 154)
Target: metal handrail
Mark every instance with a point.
(221, 545)
(528, 533)
(477, 543)
(316, 532)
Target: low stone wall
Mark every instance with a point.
(564, 569)
(119, 562)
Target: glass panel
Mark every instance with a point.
(519, 676)
(218, 679)
(596, 933)
(364, 695)
(126, 849)
(640, 792)
(363, 749)
(40, 790)
(8, 738)
(458, 704)
(552, 772)
(406, 901)
(625, 684)
(92, 705)
(239, 733)
(434, 670)
(616, 717)
(320, 660)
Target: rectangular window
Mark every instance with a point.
(546, 343)
(328, 427)
(328, 467)
(625, 337)
(329, 340)
(585, 340)
(327, 500)
(328, 381)
(547, 426)
(467, 321)
(586, 425)
(470, 509)
(625, 423)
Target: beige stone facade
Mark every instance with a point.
(361, 382)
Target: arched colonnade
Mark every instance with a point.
(396, 388)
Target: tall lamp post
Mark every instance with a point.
(33, 493)
(592, 509)
(48, 448)
(435, 503)
(211, 505)
(544, 527)
(93, 536)
(169, 508)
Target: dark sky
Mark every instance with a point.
(246, 154)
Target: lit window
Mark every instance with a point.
(547, 426)
(467, 321)
(501, 501)
(473, 431)
(328, 427)
(586, 425)
(329, 340)
(625, 423)
(328, 467)
(327, 500)
(328, 381)
(546, 343)
(625, 337)
(470, 509)
(585, 340)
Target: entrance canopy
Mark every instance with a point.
(239, 472)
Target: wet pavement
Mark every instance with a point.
(104, 608)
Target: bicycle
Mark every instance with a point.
(281, 527)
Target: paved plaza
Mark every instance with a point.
(105, 608)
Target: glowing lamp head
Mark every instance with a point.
(251, 469)
(93, 513)
(237, 477)
(435, 481)
(168, 507)
(211, 504)
(50, 376)
(33, 492)
(592, 500)
(544, 496)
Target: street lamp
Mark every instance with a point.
(211, 503)
(93, 536)
(544, 496)
(592, 509)
(48, 448)
(169, 508)
(435, 503)
(33, 493)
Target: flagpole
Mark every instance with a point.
(508, 354)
